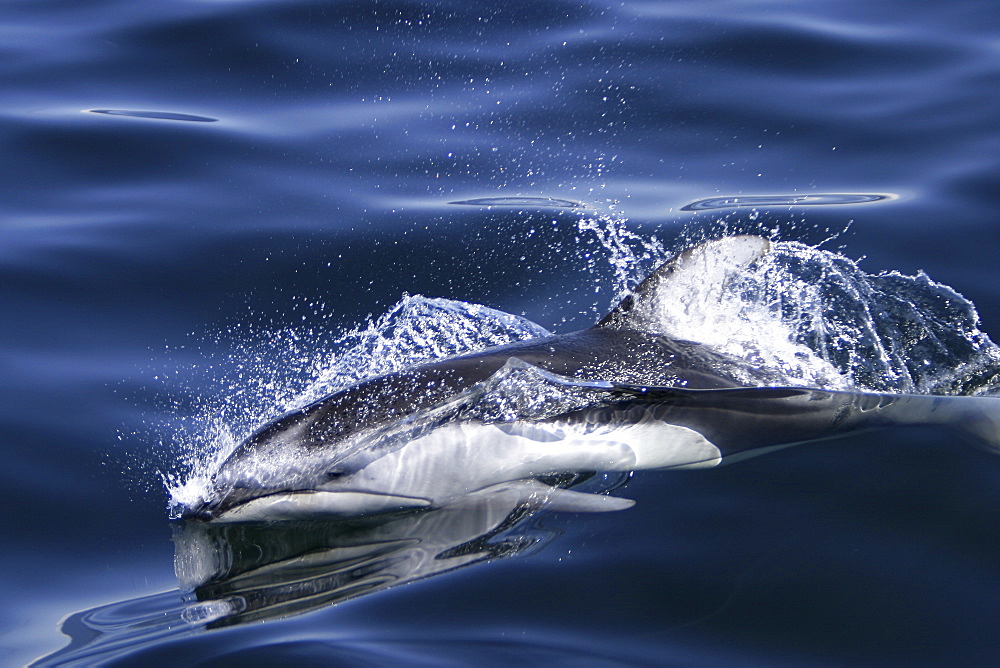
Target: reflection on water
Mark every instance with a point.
(232, 574)
(248, 572)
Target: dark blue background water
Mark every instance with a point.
(341, 131)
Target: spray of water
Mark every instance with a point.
(881, 332)
(281, 371)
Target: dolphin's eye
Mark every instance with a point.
(333, 474)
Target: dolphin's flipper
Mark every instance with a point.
(536, 493)
(698, 266)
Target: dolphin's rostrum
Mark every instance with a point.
(643, 401)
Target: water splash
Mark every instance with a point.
(630, 255)
(280, 371)
(416, 329)
(884, 332)
(817, 318)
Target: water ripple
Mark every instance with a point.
(159, 115)
(532, 202)
(818, 199)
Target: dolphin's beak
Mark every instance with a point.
(210, 510)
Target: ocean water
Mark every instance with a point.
(205, 202)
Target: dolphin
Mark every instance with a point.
(650, 402)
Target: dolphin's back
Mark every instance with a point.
(619, 349)
(600, 353)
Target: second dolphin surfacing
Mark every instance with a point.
(629, 398)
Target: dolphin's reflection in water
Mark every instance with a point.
(245, 572)
(237, 573)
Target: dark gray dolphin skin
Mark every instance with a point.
(618, 349)
(663, 390)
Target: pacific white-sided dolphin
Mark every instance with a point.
(654, 402)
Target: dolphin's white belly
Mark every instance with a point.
(462, 458)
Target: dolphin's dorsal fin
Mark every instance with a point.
(711, 262)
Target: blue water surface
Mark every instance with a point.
(175, 170)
